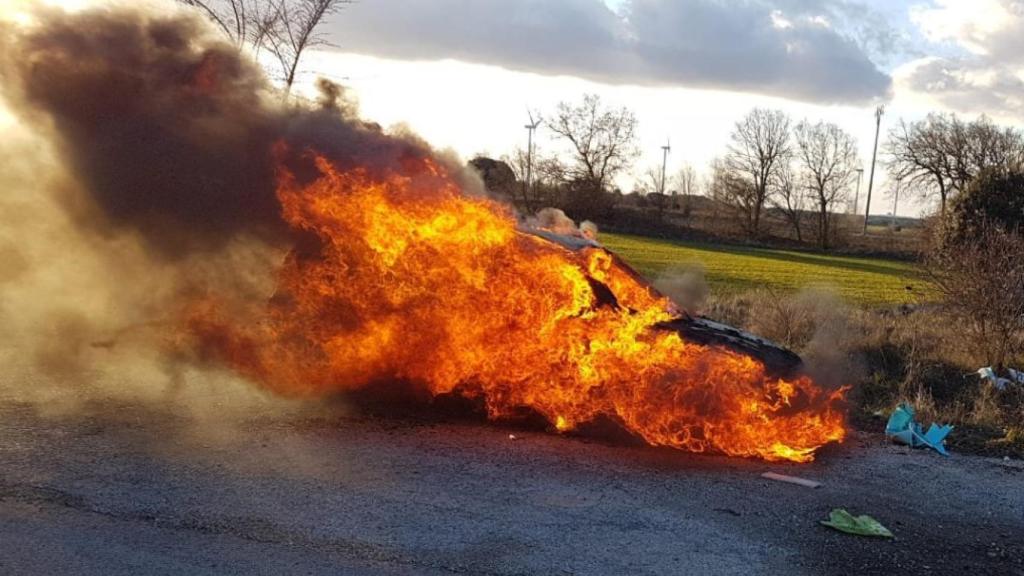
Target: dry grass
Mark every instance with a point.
(852, 334)
(910, 355)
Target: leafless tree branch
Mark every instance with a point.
(603, 140)
(827, 157)
(759, 148)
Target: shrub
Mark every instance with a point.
(993, 199)
(981, 280)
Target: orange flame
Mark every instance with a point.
(414, 280)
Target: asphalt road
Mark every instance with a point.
(128, 488)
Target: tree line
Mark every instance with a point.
(803, 173)
(770, 162)
(942, 154)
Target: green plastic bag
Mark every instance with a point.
(860, 525)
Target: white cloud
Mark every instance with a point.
(779, 20)
(785, 48)
(986, 75)
(969, 23)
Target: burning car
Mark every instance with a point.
(408, 278)
(778, 361)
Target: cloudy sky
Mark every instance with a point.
(464, 72)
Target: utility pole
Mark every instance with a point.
(856, 195)
(874, 155)
(664, 160)
(529, 154)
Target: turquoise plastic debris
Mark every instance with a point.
(903, 429)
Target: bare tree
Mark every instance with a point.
(941, 154)
(981, 280)
(686, 185)
(650, 181)
(264, 17)
(650, 186)
(285, 28)
(687, 181)
(981, 145)
(295, 32)
(790, 199)
(917, 156)
(734, 191)
(760, 145)
(235, 18)
(517, 162)
(603, 140)
(548, 177)
(549, 169)
(828, 165)
(532, 198)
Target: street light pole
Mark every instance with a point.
(874, 155)
(896, 202)
(856, 195)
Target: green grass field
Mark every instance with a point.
(733, 269)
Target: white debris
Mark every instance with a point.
(1015, 377)
(791, 479)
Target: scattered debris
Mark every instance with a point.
(1011, 464)
(727, 511)
(791, 479)
(1000, 383)
(903, 429)
(863, 525)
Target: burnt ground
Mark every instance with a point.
(114, 488)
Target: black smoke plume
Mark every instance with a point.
(137, 176)
(170, 131)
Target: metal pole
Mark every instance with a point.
(896, 203)
(856, 195)
(529, 160)
(874, 155)
(529, 155)
(664, 161)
